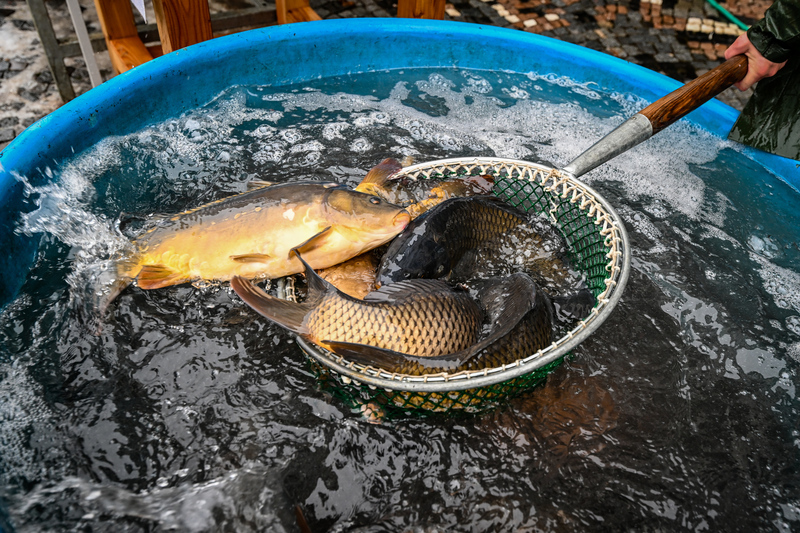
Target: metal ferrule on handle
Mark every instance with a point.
(660, 114)
(633, 131)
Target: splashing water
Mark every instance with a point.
(188, 412)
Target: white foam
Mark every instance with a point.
(174, 505)
(25, 418)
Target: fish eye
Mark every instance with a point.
(374, 200)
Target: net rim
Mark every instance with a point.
(553, 180)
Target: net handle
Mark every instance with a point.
(659, 115)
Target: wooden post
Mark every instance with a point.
(54, 57)
(125, 48)
(182, 23)
(289, 11)
(421, 9)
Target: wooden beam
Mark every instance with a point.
(128, 52)
(421, 9)
(182, 23)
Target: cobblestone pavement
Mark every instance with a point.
(679, 38)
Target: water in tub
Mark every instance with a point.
(189, 412)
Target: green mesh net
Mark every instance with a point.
(597, 247)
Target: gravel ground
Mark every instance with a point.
(679, 38)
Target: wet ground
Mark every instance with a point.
(680, 38)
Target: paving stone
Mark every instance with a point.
(17, 65)
(24, 25)
(7, 134)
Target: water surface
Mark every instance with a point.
(189, 412)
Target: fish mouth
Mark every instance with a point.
(402, 219)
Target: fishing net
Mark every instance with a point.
(598, 247)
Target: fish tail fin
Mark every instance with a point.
(574, 306)
(379, 175)
(290, 315)
(94, 290)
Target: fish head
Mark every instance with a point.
(364, 218)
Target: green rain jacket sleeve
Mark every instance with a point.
(777, 35)
(771, 119)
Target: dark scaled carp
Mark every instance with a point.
(251, 235)
(519, 318)
(420, 317)
(433, 244)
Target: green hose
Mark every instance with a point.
(728, 15)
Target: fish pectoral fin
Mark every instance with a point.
(251, 258)
(158, 276)
(309, 244)
(368, 355)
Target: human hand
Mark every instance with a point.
(758, 66)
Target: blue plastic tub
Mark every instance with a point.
(275, 56)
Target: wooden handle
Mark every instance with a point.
(680, 102)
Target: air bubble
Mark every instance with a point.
(793, 324)
(360, 145)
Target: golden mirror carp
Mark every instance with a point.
(251, 235)
(420, 317)
(519, 317)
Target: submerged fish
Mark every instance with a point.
(355, 277)
(520, 319)
(419, 317)
(251, 235)
(433, 244)
(418, 196)
(535, 247)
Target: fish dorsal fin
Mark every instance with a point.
(290, 315)
(317, 287)
(395, 292)
(159, 276)
(380, 174)
(500, 203)
(259, 184)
